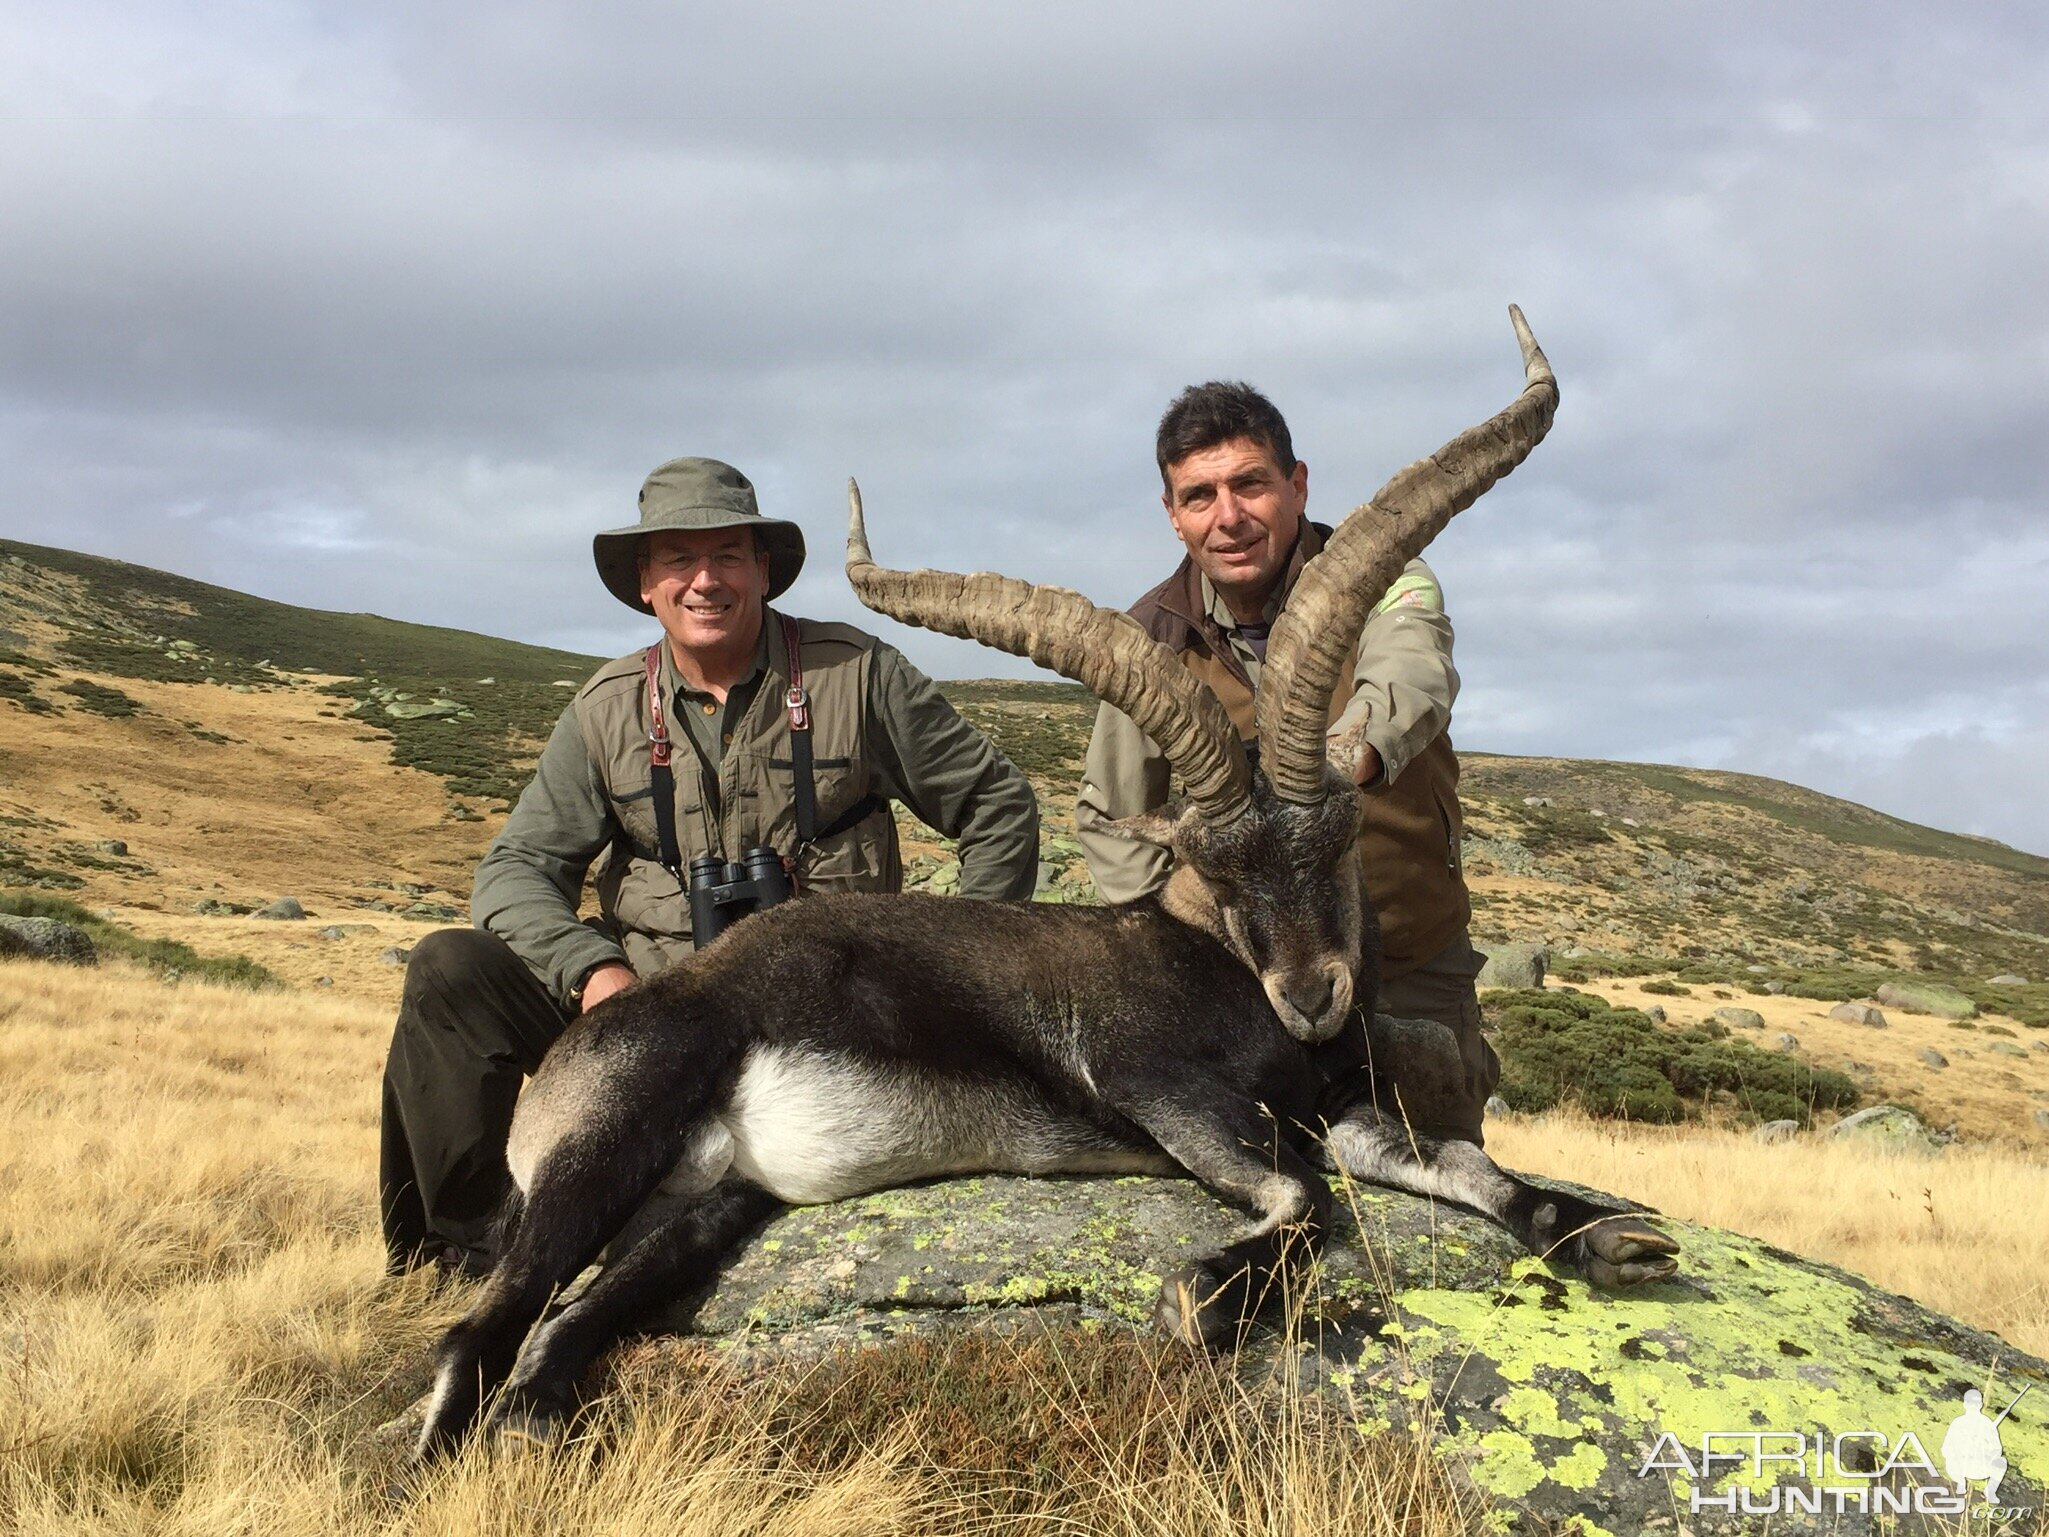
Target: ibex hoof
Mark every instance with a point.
(527, 1428)
(1191, 1311)
(1626, 1251)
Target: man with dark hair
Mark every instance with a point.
(786, 732)
(1235, 493)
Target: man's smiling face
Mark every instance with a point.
(707, 586)
(1238, 512)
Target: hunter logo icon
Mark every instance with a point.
(1970, 1447)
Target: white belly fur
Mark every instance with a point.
(810, 1128)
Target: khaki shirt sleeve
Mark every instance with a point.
(1125, 775)
(529, 885)
(1404, 685)
(954, 779)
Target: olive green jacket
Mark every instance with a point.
(879, 727)
(1401, 687)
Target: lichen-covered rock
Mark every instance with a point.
(46, 939)
(425, 711)
(284, 909)
(1550, 1393)
(1927, 998)
(1515, 966)
(1859, 1014)
(1776, 1131)
(1890, 1126)
(1738, 1019)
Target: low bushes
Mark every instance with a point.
(1573, 1048)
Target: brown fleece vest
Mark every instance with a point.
(1409, 831)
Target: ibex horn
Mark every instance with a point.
(1315, 636)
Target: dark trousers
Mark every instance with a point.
(473, 1024)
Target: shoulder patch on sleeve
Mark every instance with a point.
(1412, 589)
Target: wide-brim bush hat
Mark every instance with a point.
(695, 494)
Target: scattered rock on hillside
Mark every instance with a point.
(1859, 1014)
(1785, 1041)
(1497, 1106)
(1515, 966)
(46, 939)
(214, 907)
(112, 846)
(1738, 1019)
(1536, 800)
(2007, 1048)
(1892, 1127)
(438, 912)
(284, 909)
(1655, 1014)
(323, 981)
(2006, 979)
(2042, 1119)
(396, 956)
(1927, 998)
(1776, 1131)
(1933, 1057)
(423, 710)
(347, 930)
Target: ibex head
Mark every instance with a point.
(1267, 858)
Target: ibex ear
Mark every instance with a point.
(1154, 827)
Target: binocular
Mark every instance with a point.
(721, 894)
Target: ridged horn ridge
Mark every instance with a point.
(1106, 652)
(1314, 638)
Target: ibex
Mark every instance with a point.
(839, 1044)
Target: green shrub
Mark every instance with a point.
(1574, 1048)
(166, 957)
(19, 689)
(1666, 989)
(99, 698)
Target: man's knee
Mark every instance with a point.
(467, 986)
(450, 961)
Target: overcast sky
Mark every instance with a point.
(390, 306)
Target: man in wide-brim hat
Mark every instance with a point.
(715, 724)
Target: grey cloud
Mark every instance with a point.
(388, 307)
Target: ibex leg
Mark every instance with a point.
(1608, 1246)
(1237, 1152)
(669, 1261)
